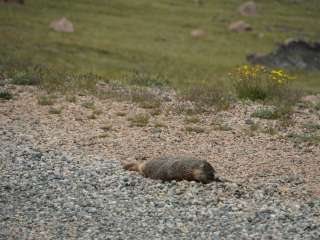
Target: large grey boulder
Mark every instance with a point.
(294, 54)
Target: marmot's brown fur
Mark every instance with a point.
(175, 168)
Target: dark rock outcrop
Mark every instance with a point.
(291, 55)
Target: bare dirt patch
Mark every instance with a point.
(245, 152)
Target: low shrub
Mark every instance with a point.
(205, 95)
(260, 83)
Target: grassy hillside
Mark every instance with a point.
(116, 36)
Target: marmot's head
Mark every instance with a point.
(134, 166)
(205, 173)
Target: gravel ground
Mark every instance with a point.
(56, 195)
(61, 176)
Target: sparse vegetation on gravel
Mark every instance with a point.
(46, 100)
(139, 120)
(57, 156)
(305, 138)
(195, 129)
(265, 113)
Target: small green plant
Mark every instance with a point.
(311, 126)
(53, 110)
(304, 138)
(71, 98)
(139, 120)
(265, 113)
(88, 104)
(317, 106)
(270, 130)
(195, 129)
(304, 104)
(160, 125)
(6, 95)
(92, 116)
(222, 127)
(253, 128)
(191, 119)
(45, 100)
(29, 75)
(107, 126)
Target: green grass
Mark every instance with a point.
(114, 37)
(25, 78)
(265, 113)
(317, 106)
(311, 126)
(144, 79)
(282, 112)
(45, 100)
(88, 104)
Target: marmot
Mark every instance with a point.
(175, 168)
